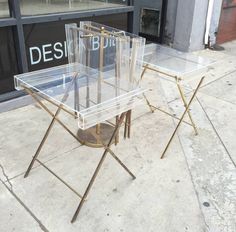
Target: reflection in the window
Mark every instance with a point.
(4, 9)
(35, 7)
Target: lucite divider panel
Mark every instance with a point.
(101, 80)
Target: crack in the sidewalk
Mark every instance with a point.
(207, 227)
(6, 176)
(213, 203)
(217, 134)
(229, 102)
(193, 183)
(226, 74)
(7, 183)
(49, 160)
(43, 228)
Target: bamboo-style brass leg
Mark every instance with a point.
(185, 105)
(126, 126)
(42, 143)
(117, 136)
(129, 123)
(59, 178)
(153, 108)
(148, 103)
(98, 167)
(50, 125)
(121, 163)
(144, 70)
(112, 153)
(51, 113)
(76, 99)
(182, 117)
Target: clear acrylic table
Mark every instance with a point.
(180, 68)
(74, 89)
(100, 83)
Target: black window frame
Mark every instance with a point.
(17, 21)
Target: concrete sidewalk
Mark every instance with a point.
(192, 189)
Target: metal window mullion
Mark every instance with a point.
(14, 8)
(53, 17)
(6, 22)
(130, 22)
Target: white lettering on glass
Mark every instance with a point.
(58, 49)
(47, 52)
(36, 61)
(65, 46)
(95, 43)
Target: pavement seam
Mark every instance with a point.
(190, 174)
(217, 134)
(194, 186)
(43, 228)
(218, 98)
(191, 178)
(49, 160)
(214, 129)
(10, 187)
(6, 176)
(229, 73)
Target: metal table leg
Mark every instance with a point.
(107, 148)
(98, 167)
(186, 105)
(182, 117)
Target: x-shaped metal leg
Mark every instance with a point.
(127, 127)
(54, 118)
(182, 117)
(186, 105)
(181, 92)
(106, 147)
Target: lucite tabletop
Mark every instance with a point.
(174, 62)
(95, 96)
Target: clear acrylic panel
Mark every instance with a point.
(174, 62)
(99, 82)
(80, 89)
(105, 48)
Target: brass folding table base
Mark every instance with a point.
(182, 117)
(90, 137)
(185, 103)
(99, 140)
(127, 129)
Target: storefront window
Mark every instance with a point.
(8, 61)
(4, 9)
(37, 7)
(46, 42)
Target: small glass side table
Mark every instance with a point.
(180, 68)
